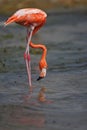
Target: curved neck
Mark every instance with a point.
(43, 47)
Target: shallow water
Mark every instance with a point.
(65, 35)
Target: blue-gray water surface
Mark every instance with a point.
(65, 35)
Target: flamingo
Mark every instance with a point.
(33, 19)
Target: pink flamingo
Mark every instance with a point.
(33, 19)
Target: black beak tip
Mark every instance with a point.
(39, 78)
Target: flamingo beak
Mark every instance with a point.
(39, 78)
(42, 74)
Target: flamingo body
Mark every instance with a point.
(27, 17)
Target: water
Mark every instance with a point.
(65, 35)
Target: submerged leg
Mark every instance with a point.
(27, 55)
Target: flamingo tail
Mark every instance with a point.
(10, 20)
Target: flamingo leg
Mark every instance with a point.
(27, 55)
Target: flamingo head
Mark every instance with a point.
(42, 74)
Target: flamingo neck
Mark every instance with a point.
(43, 47)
